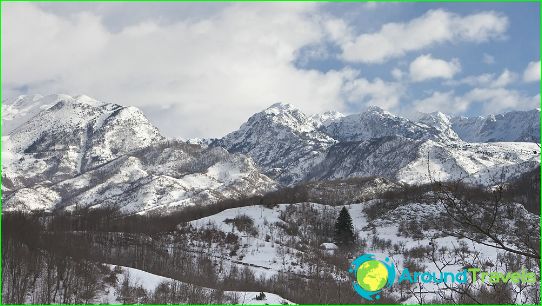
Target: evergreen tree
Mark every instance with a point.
(344, 230)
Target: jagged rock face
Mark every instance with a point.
(82, 152)
(382, 156)
(282, 140)
(511, 126)
(441, 122)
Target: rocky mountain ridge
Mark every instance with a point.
(63, 152)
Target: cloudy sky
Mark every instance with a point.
(200, 70)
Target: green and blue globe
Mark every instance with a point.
(372, 275)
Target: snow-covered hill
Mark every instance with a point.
(287, 237)
(81, 153)
(158, 179)
(477, 163)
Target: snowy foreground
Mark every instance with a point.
(269, 250)
(272, 254)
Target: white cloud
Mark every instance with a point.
(434, 27)
(397, 73)
(489, 91)
(425, 67)
(496, 100)
(363, 92)
(371, 5)
(488, 59)
(200, 77)
(492, 101)
(445, 102)
(504, 79)
(337, 30)
(532, 72)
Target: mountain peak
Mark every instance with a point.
(434, 117)
(18, 110)
(278, 138)
(376, 109)
(22, 100)
(281, 107)
(84, 99)
(326, 118)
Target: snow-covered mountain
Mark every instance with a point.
(293, 147)
(509, 127)
(70, 137)
(66, 152)
(82, 152)
(376, 123)
(282, 140)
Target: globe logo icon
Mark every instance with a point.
(371, 276)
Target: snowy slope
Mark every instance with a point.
(407, 160)
(383, 156)
(150, 282)
(478, 163)
(326, 118)
(441, 122)
(383, 236)
(160, 178)
(268, 251)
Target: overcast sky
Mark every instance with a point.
(200, 70)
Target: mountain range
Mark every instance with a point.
(63, 152)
